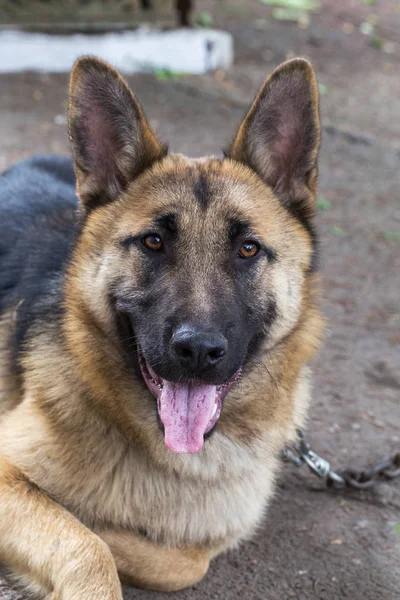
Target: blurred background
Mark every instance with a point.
(315, 544)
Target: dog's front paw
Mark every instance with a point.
(92, 575)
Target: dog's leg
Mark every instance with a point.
(149, 566)
(48, 547)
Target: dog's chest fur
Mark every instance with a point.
(219, 500)
(178, 509)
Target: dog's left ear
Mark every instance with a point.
(279, 137)
(111, 139)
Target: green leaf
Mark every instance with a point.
(377, 42)
(323, 204)
(204, 19)
(295, 4)
(373, 19)
(323, 89)
(337, 231)
(370, 1)
(367, 28)
(167, 74)
(291, 14)
(397, 528)
(392, 235)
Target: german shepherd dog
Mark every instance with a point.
(155, 338)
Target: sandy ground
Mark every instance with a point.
(314, 543)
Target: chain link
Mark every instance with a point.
(362, 479)
(301, 454)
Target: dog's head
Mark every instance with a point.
(192, 266)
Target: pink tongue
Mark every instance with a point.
(185, 411)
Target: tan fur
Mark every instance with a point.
(10, 386)
(83, 466)
(145, 565)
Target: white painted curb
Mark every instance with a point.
(182, 51)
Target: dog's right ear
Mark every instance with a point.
(112, 142)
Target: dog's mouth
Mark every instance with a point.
(188, 410)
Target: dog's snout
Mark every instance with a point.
(198, 350)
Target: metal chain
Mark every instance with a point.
(301, 454)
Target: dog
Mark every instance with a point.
(155, 338)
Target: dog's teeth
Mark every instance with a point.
(214, 410)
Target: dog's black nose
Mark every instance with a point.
(197, 349)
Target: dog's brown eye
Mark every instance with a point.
(248, 249)
(153, 242)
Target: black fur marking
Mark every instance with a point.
(168, 222)
(202, 191)
(130, 241)
(38, 224)
(271, 314)
(257, 341)
(238, 229)
(127, 338)
(307, 222)
(315, 258)
(270, 253)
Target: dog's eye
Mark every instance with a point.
(153, 242)
(248, 249)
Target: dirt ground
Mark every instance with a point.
(314, 543)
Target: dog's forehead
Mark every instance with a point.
(199, 193)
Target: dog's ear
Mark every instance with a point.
(279, 137)
(111, 139)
